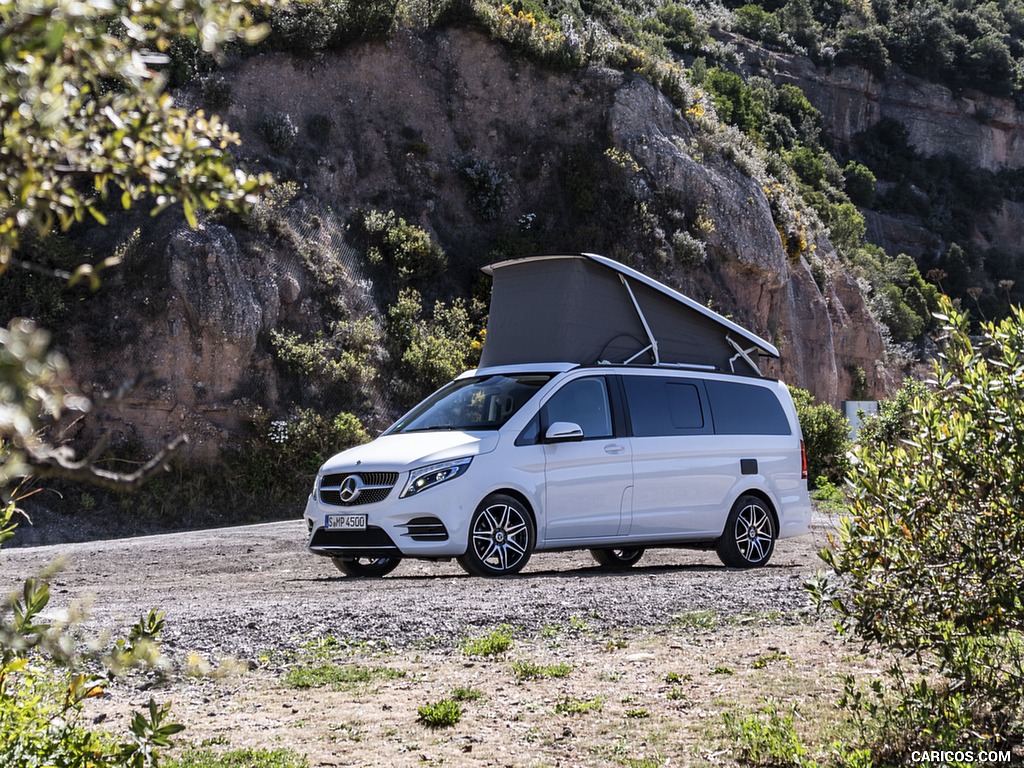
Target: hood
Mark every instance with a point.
(397, 453)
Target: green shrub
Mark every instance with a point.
(346, 357)
(755, 22)
(529, 670)
(278, 130)
(767, 739)
(283, 455)
(430, 351)
(860, 184)
(495, 643)
(892, 422)
(392, 242)
(338, 677)
(929, 562)
(44, 682)
(486, 186)
(440, 714)
(826, 439)
(567, 705)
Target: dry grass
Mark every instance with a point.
(638, 699)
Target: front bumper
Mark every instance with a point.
(430, 524)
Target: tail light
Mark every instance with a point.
(803, 461)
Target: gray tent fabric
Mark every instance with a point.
(579, 308)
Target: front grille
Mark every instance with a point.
(373, 487)
(357, 543)
(425, 529)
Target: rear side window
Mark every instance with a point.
(746, 409)
(665, 406)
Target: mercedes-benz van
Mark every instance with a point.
(506, 461)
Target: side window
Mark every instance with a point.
(746, 409)
(664, 406)
(583, 402)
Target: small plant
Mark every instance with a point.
(770, 658)
(568, 705)
(767, 738)
(278, 130)
(440, 714)
(678, 694)
(637, 714)
(338, 677)
(238, 758)
(216, 92)
(495, 643)
(696, 620)
(722, 670)
(486, 185)
(464, 693)
(674, 678)
(528, 670)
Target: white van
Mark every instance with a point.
(510, 460)
(607, 414)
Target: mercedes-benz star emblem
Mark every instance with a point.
(351, 488)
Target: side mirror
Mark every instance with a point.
(563, 432)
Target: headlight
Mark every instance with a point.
(427, 477)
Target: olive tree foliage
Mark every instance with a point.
(85, 113)
(930, 559)
(87, 124)
(84, 118)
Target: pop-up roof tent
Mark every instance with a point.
(584, 308)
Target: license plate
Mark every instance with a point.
(345, 523)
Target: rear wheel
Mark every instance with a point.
(616, 559)
(749, 537)
(501, 538)
(369, 567)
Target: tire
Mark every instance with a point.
(749, 537)
(367, 567)
(616, 559)
(501, 538)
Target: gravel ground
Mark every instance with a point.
(243, 591)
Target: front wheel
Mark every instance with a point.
(749, 537)
(369, 567)
(501, 538)
(616, 559)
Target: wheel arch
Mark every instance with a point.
(522, 499)
(757, 493)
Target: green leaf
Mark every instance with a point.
(190, 213)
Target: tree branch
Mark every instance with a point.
(57, 463)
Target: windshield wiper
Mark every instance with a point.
(431, 429)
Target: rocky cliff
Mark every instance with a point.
(980, 130)
(592, 160)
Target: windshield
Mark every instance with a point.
(485, 402)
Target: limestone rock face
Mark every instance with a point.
(195, 341)
(404, 117)
(822, 336)
(983, 130)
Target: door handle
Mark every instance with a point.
(614, 449)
